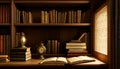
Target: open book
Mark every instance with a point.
(69, 60)
(80, 59)
(54, 60)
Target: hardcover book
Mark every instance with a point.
(20, 59)
(19, 49)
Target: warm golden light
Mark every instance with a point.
(23, 39)
(101, 31)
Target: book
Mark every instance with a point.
(20, 56)
(77, 50)
(20, 59)
(54, 60)
(76, 44)
(3, 58)
(78, 16)
(67, 60)
(20, 53)
(80, 59)
(20, 49)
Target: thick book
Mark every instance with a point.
(20, 53)
(20, 59)
(20, 49)
(20, 56)
(76, 45)
(80, 59)
(77, 50)
(54, 61)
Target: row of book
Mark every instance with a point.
(5, 13)
(49, 16)
(52, 47)
(5, 44)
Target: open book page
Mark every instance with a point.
(86, 58)
(54, 60)
(49, 60)
(79, 59)
(73, 60)
(62, 60)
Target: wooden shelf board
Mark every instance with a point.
(4, 1)
(4, 24)
(59, 2)
(38, 24)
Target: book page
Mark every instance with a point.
(86, 58)
(80, 59)
(49, 60)
(54, 60)
(73, 60)
(62, 60)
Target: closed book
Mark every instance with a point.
(71, 43)
(3, 58)
(20, 56)
(20, 53)
(20, 49)
(20, 59)
(76, 46)
(76, 50)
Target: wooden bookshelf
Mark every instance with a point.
(43, 20)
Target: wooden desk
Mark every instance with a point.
(34, 64)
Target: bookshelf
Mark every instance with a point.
(5, 24)
(57, 17)
(43, 20)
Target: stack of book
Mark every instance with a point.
(20, 54)
(3, 58)
(76, 47)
